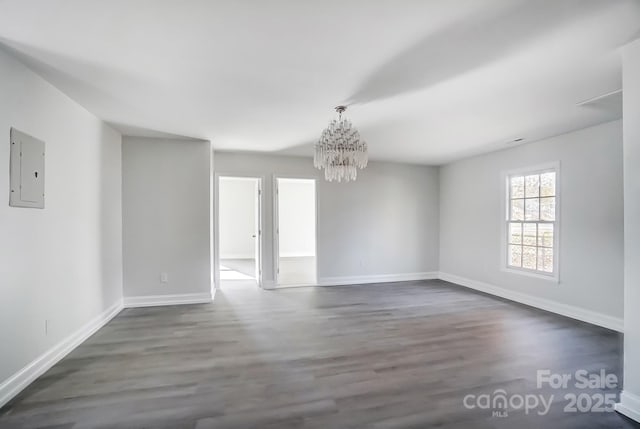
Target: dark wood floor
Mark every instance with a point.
(400, 355)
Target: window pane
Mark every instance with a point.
(548, 208)
(532, 186)
(517, 187)
(532, 209)
(529, 257)
(515, 233)
(545, 234)
(529, 234)
(545, 260)
(517, 209)
(548, 184)
(531, 228)
(515, 256)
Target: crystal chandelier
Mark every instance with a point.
(340, 151)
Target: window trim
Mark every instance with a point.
(504, 221)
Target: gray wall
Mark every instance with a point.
(386, 222)
(62, 264)
(630, 397)
(166, 202)
(591, 218)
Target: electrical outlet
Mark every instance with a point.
(164, 278)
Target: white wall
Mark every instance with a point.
(237, 218)
(630, 398)
(297, 217)
(63, 263)
(386, 222)
(591, 216)
(166, 203)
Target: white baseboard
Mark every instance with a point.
(27, 375)
(589, 316)
(289, 286)
(238, 256)
(296, 255)
(378, 278)
(629, 405)
(178, 299)
(357, 280)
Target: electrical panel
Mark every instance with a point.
(26, 171)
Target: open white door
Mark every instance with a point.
(295, 231)
(258, 233)
(238, 240)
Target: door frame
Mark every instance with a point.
(276, 227)
(216, 223)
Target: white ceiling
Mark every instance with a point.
(428, 81)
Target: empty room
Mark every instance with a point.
(318, 214)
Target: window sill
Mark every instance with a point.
(551, 279)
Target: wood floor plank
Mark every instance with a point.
(397, 355)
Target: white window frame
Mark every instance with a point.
(504, 222)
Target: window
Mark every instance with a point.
(531, 226)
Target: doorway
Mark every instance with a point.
(295, 222)
(239, 229)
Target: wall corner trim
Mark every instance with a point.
(12, 386)
(584, 315)
(629, 405)
(158, 300)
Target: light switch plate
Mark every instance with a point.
(26, 171)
